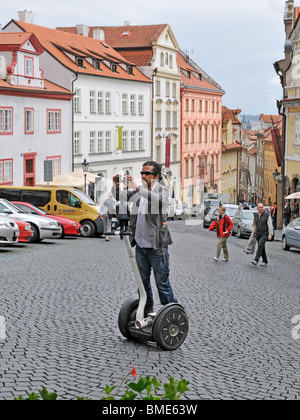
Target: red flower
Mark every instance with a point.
(133, 372)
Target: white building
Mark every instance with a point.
(35, 114)
(111, 105)
(153, 49)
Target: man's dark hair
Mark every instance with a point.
(156, 167)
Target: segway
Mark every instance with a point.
(167, 328)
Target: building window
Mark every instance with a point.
(175, 119)
(158, 119)
(100, 142)
(79, 61)
(186, 135)
(107, 103)
(125, 104)
(113, 67)
(167, 89)
(92, 141)
(6, 120)
(6, 171)
(77, 137)
(56, 164)
(174, 152)
(141, 140)
(107, 141)
(54, 121)
(171, 61)
(168, 119)
(77, 101)
(132, 140)
(125, 141)
(132, 105)
(174, 90)
(200, 134)
(157, 88)
(29, 66)
(162, 59)
(141, 105)
(92, 102)
(158, 154)
(100, 103)
(29, 120)
(97, 65)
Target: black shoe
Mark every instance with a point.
(148, 310)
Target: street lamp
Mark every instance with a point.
(276, 174)
(85, 167)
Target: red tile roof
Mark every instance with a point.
(141, 36)
(268, 118)
(193, 80)
(49, 87)
(59, 43)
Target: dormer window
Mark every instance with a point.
(126, 34)
(97, 65)
(79, 61)
(29, 66)
(113, 67)
(130, 69)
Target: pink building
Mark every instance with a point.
(201, 131)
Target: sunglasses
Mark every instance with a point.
(147, 173)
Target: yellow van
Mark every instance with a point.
(67, 202)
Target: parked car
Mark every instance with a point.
(291, 235)
(230, 211)
(208, 218)
(25, 231)
(43, 227)
(69, 226)
(9, 231)
(242, 223)
(179, 212)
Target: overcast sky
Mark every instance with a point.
(235, 41)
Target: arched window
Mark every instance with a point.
(167, 59)
(171, 61)
(162, 61)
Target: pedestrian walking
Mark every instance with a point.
(223, 225)
(287, 214)
(274, 215)
(263, 229)
(296, 210)
(108, 211)
(123, 215)
(150, 234)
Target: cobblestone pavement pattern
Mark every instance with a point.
(61, 301)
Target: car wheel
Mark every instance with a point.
(285, 246)
(61, 236)
(36, 234)
(87, 229)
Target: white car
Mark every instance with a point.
(43, 227)
(9, 231)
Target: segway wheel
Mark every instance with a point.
(127, 314)
(170, 327)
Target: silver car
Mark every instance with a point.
(43, 227)
(291, 235)
(9, 232)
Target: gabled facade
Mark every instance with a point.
(201, 131)
(35, 114)
(270, 195)
(153, 49)
(111, 106)
(289, 104)
(231, 148)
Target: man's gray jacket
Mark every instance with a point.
(156, 216)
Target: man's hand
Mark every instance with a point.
(270, 238)
(130, 183)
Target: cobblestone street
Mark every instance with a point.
(61, 301)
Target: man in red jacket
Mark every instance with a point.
(223, 224)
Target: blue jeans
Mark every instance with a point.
(158, 261)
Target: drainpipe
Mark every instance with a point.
(73, 123)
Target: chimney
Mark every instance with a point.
(27, 17)
(129, 23)
(99, 34)
(83, 30)
(288, 17)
